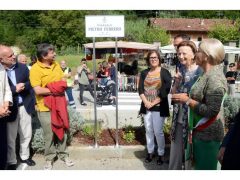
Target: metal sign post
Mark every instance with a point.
(95, 95)
(104, 26)
(116, 75)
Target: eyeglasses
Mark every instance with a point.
(153, 58)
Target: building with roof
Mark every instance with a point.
(196, 28)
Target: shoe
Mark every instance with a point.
(149, 158)
(12, 167)
(48, 165)
(160, 160)
(28, 161)
(83, 104)
(68, 162)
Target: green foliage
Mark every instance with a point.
(135, 30)
(225, 33)
(156, 34)
(139, 31)
(129, 134)
(167, 125)
(38, 144)
(66, 28)
(89, 130)
(231, 106)
(210, 14)
(7, 33)
(75, 119)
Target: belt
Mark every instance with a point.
(20, 104)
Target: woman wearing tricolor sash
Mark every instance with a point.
(204, 101)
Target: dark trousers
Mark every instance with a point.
(3, 144)
(81, 87)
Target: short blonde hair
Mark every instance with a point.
(214, 49)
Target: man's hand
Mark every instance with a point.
(20, 87)
(4, 111)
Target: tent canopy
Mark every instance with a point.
(121, 44)
(171, 49)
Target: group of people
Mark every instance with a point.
(106, 71)
(197, 92)
(38, 88)
(44, 86)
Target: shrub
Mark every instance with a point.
(88, 130)
(75, 120)
(167, 124)
(129, 134)
(231, 107)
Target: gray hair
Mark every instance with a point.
(214, 49)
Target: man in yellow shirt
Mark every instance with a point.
(44, 71)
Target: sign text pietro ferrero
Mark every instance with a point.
(104, 26)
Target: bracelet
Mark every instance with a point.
(188, 101)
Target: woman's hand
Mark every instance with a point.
(177, 76)
(148, 104)
(180, 97)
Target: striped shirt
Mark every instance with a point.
(152, 84)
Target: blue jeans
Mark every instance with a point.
(69, 94)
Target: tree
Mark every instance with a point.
(210, 14)
(64, 28)
(139, 31)
(7, 34)
(135, 30)
(156, 34)
(225, 33)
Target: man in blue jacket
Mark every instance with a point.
(23, 106)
